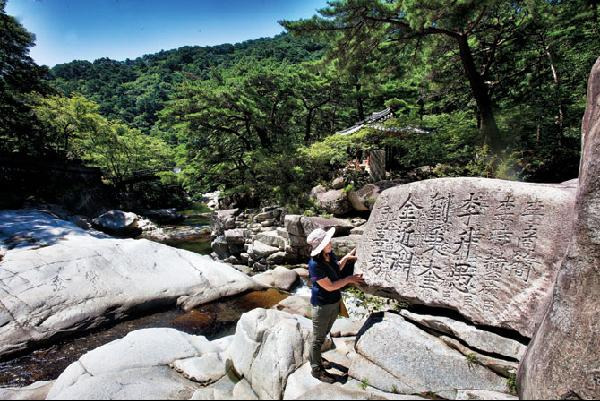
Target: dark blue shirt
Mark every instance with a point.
(320, 269)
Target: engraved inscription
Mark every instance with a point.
(475, 247)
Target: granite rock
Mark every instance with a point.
(490, 249)
(563, 360)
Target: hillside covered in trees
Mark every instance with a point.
(498, 85)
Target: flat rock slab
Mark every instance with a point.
(395, 354)
(302, 386)
(490, 249)
(480, 339)
(79, 281)
(135, 367)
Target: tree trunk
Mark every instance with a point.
(489, 128)
(360, 106)
(561, 112)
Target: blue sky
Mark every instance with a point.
(69, 30)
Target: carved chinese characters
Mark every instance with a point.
(488, 248)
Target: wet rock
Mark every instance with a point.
(479, 339)
(562, 360)
(81, 281)
(490, 249)
(418, 363)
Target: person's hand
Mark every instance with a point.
(357, 279)
(351, 257)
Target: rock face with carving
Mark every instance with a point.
(563, 360)
(490, 249)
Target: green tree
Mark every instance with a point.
(363, 24)
(19, 77)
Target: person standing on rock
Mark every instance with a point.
(328, 277)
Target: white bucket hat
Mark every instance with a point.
(319, 239)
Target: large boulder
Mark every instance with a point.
(395, 355)
(364, 199)
(334, 201)
(139, 366)
(70, 280)
(268, 347)
(342, 227)
(563, 360)
(490, 249)
(118, 222)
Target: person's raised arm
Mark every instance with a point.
(330, 286)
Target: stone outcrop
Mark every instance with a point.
(490, 249)
(563, 360)
(136, 367)
(472, 336)
(59, 278)
(394, 354)
(269, 346)
(267, 358)
(271, 237)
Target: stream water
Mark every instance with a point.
(213, 320)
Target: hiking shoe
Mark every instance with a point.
(326, 364)
(323, 376)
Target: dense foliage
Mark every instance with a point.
(498, 85)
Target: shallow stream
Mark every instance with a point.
(213, 321)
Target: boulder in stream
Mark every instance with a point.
(61, 279)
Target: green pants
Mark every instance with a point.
(323, 318)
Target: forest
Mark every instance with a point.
(497, 87)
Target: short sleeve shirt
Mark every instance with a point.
(320, 269)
